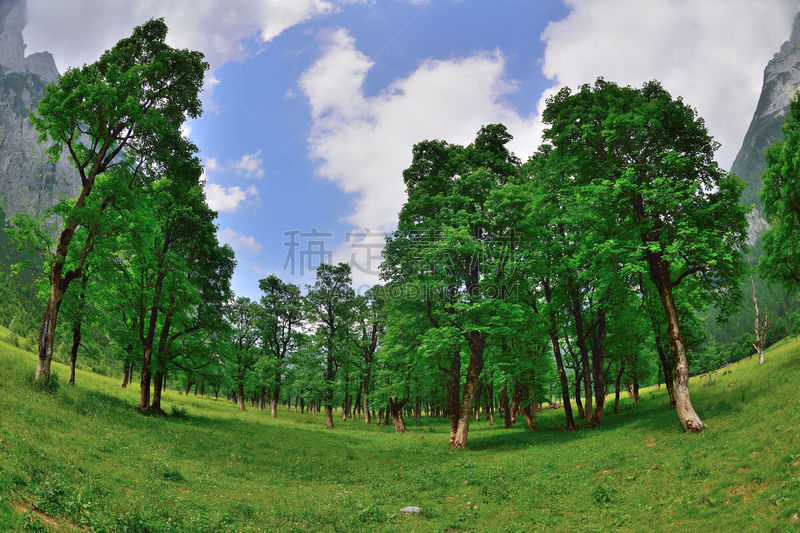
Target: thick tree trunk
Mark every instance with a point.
(396, 409)
(597, 338)
(329, 416)
(659, 272)
(477, 341)
(47, 331)
(240, 395)
(158, 386)
(453, 395)
(275, 398)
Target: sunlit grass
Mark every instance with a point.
(85, 457)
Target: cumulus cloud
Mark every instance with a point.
(217, 29)
(710, 52)
(238, 241)
(364, 143)
(249, 165)
(229, 199)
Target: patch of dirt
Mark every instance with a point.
(753, 454)
(743, 469)
(650, 442)
(746, 491)
(51, 522)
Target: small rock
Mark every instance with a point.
(795, 517)
(411, 509)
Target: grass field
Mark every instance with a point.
(85, 459)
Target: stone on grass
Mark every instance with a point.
(411, 509)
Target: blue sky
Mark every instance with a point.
(313, 106)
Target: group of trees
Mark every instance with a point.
(606, 245)
(582, 271)
(137, 249)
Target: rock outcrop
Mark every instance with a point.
(781, 82)
(28, 180)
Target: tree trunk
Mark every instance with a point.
(329, 416)
(73, 355)
(666, 366)
(578, 401)
(240, 395)
(659, 273)
(562, 377)
(596, 339)
(477, 341)
(365, 399)
(275, 399)
(396, 409)
(453, 395)
(144, 385)
(504, 405)
(158, 383)
(126, 375)
(584, 353)
(47, 331)
(616, 388)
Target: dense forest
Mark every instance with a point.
(508, 287)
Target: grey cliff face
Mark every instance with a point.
(28, 180)
(781, 82)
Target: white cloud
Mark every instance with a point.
(710, 52)
(211, 163)
(215, 28)
(364, 143)
(249, 165)
(229, 199)
(237, 241)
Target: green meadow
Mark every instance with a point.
(85, 459)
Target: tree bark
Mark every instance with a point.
(453, 395)
(365, 399)
(477, 341)
(240, 395)
(396, 409)
(73, 354)
(158, 385)
(504, 405)
(659, 273)
(616, 388)
(126, 375)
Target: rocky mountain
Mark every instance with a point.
(781, 82)
(28, 180)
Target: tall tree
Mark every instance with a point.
(329, 309)
(446, 241)
(127, 105)
(282, 304)
(643, 164)
(781, 196)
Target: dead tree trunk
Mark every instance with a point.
(761, 336)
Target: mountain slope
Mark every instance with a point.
(28, 180)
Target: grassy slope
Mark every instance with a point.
(87, 457)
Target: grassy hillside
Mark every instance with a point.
(85, 458)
